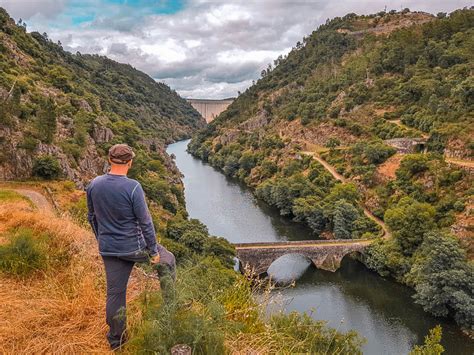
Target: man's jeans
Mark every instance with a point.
(117, 271)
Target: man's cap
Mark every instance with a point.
(121, 154)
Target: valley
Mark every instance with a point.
(345, 173)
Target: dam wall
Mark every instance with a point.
(210, 109)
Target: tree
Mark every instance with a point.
(177, 227)
(345, 215)
(444, 278)
(347, 192)
(409, 220)
(221, 249)
(46, 120)
(247, 161)
(309, 209)
(128, 130)
(194, 240)
(231, 165)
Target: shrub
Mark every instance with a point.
(47, 167)
(432, 344)
(22, 255)
(410, 220)
(29, 143)
(444, 278)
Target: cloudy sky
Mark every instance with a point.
(202, 49)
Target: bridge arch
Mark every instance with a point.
(356, 255)
(289, 267)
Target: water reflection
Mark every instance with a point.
(288, 268)
(380, 310)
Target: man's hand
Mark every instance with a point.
(155, 259)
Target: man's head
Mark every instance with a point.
(121, 156)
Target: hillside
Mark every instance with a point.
(72, 107)
(384, 104)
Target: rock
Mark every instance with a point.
(255, 123)
(229, 136)
(181, 349)
(84, 105)
(102, 134)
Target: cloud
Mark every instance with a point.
(203, 49)
(27, 9)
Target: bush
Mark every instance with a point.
(432, 344)
(444, 278)
(22, 255)
(47, 167)
(29, 143)
(211, 304)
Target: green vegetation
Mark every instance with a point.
(26, 252)
(9, 195)
(22, 255)
(339, 94)
(76, 106)
(432, 344)
(215, 311)
(47, 167)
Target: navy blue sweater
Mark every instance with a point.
(119, 216)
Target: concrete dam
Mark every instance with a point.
(209, 109)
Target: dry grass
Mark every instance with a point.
(56, 311)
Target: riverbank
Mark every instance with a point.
(380, 310)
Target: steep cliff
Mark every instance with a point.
(72, 107)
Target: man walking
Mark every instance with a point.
(122, 224)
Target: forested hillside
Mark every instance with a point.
(59, 115)
(386, 101)
(60, 112)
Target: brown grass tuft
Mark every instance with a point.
(56, 311)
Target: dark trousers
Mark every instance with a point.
(117, 271)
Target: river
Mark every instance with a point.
(380, 310)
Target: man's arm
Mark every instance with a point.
(143, 216)
(90, 212)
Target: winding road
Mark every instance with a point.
(337, 176)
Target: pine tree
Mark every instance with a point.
(46, 120)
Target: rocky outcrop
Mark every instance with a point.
(457, 149)
(255, 123)
(229, 136)
(102, 134)
(17, 161)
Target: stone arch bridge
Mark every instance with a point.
(325, 254)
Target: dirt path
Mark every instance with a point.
(336, 175)
(400, 124)
(37, 199)
(465, 163)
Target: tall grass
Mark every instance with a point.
(214, 310)
(57, 305)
